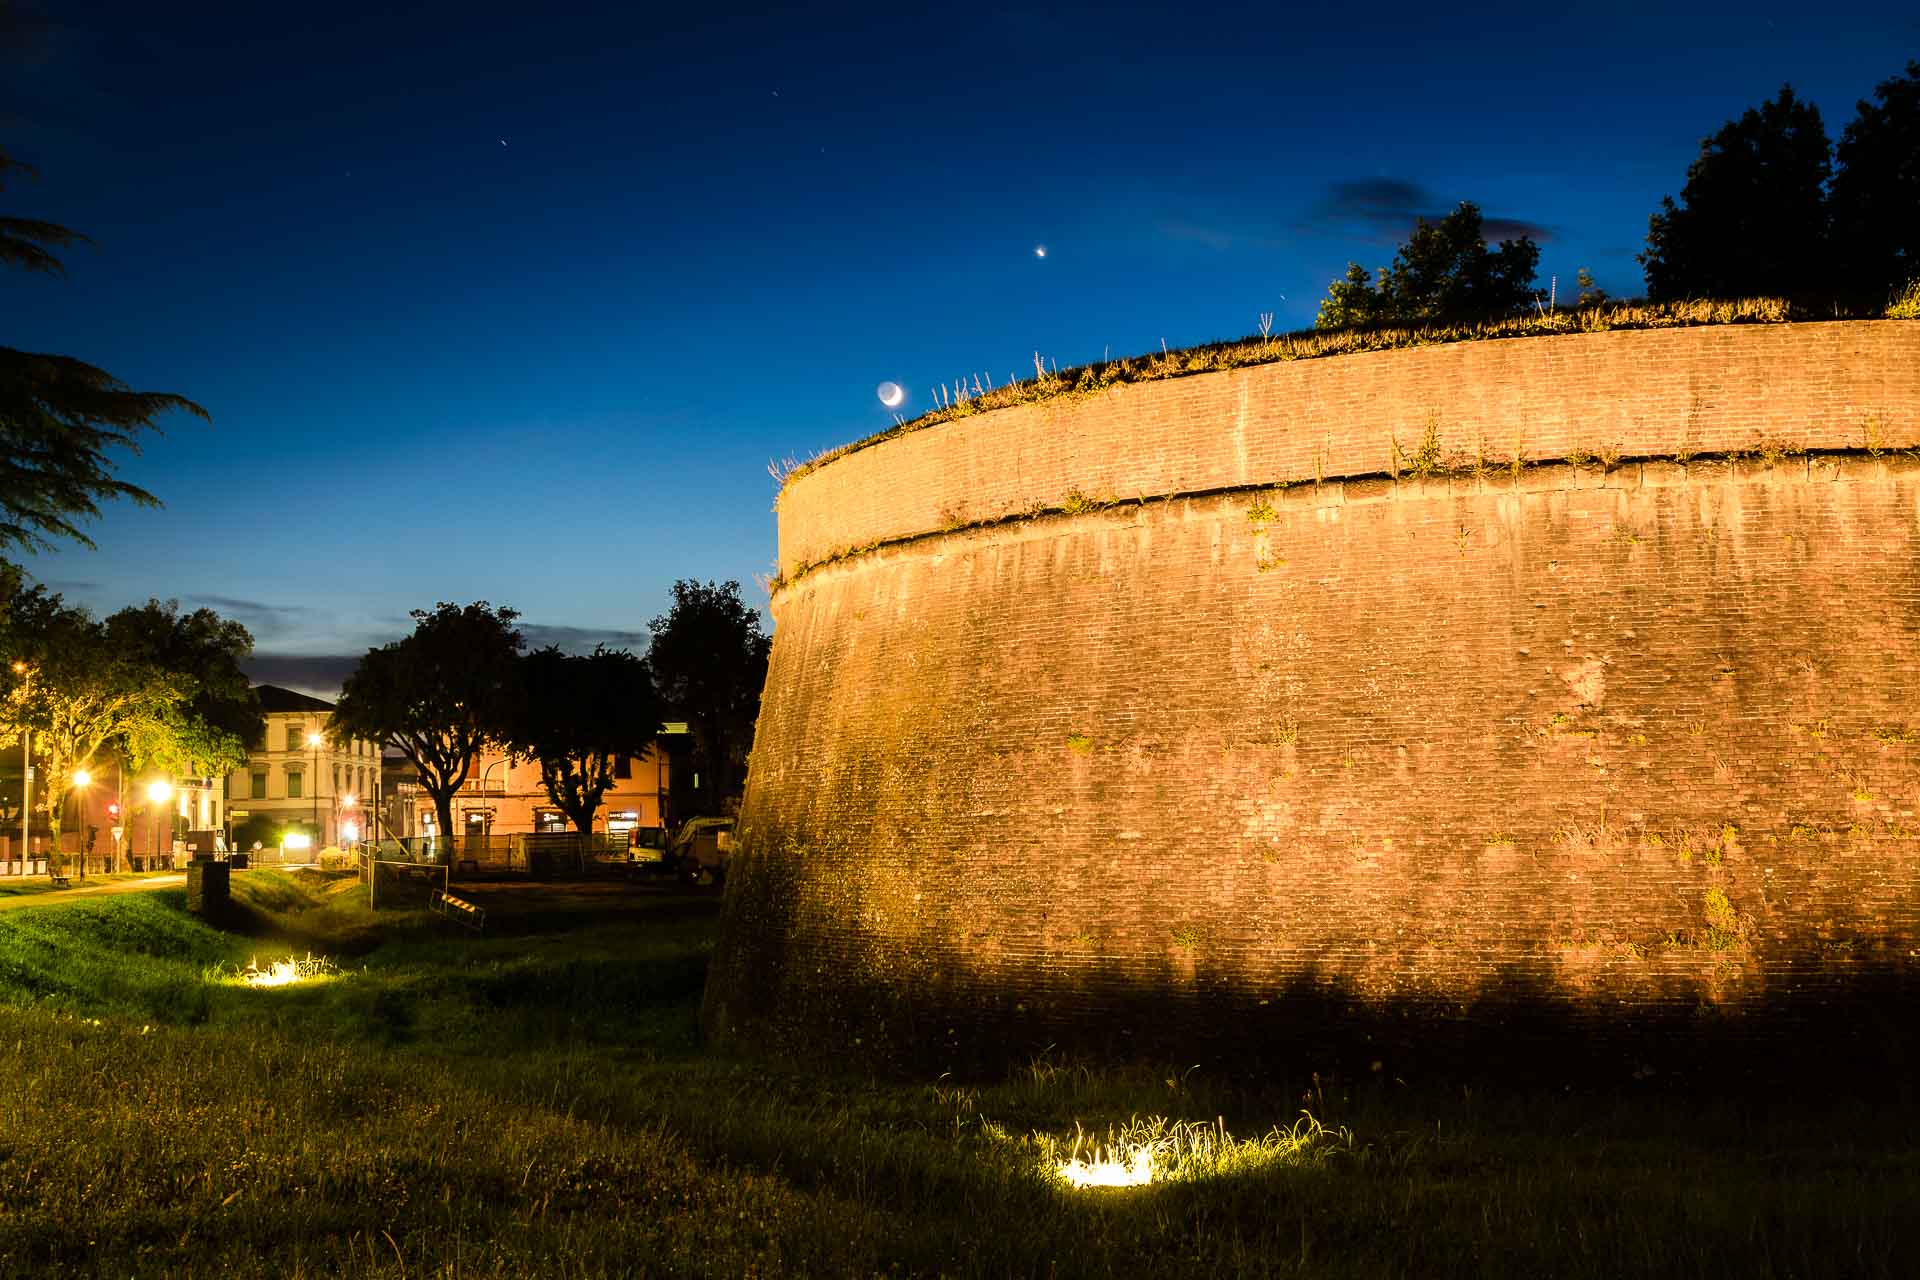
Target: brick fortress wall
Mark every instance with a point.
(1282, 743)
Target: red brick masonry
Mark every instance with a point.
(1206, 772)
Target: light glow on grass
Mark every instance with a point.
(1102, 1169)
(1160, 1150)
(283, 973)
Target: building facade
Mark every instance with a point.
(504, 795)
(299, 782)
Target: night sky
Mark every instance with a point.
(517, 302)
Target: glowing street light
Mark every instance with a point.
(82, 779)
(159, 791)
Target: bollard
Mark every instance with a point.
(207, 889)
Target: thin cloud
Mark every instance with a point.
(318, 674)
(258, 617)
(582, 639)
(1220, 238)
(1387, 209)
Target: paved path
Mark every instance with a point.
(172, 881)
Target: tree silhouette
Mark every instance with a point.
(439, 695)
(576, 716)
(59, 416)
(1752, 217)
(1876, 192)
(1444, 273)
(709, 659)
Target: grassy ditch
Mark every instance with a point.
(539, 1104)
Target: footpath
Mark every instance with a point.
(143, 885)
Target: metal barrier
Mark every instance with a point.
(561, 854)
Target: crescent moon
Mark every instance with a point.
(891, 394)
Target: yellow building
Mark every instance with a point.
(300, 780)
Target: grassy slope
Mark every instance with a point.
(540, 1105)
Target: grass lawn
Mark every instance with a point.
(538, 1103)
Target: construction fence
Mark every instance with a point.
(564, 855)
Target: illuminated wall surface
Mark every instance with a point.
(1622, 751)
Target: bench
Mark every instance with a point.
(61, 882)
(467, 913)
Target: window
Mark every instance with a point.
(260, 784)
(293, 784)
(623, 766)
(296, 736)
(336, 779)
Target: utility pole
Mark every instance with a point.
(26, 774)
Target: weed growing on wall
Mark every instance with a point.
(1424, 462)
(1724, 930)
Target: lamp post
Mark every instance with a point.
(25, 672)
(159, 791)
(313, 740)
(81, 781)
(347, 826)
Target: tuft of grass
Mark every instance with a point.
(1905, 303)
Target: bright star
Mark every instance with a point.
(1039, 251)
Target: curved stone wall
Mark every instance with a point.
(1277, 738)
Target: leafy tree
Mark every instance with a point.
(84, 697)
(576, 715)
(1353, 302)
(709, 659)
(1591, 294)
(1876, 192)
(27, 243)
(212, 731)
(439, 695)
(1443, 273)
(59, 416)
(1752, 218)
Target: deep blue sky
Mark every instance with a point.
(517, 302)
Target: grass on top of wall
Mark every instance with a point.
(976, 393)
(540, 1105)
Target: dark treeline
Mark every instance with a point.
(1770, 208)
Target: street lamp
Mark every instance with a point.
(25, 672)
(349, 829)
(81, 781)
(159, 791)
(313, 740)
